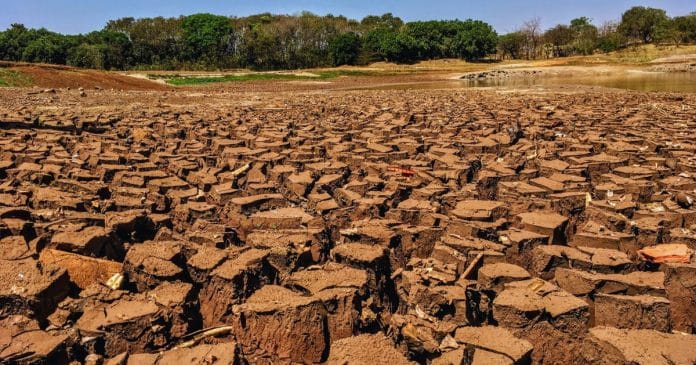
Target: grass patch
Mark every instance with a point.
(11, 78)
(184, 80)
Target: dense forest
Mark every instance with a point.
(266, 41)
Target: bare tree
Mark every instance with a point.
(532, 31)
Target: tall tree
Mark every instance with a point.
(511, 45)
(559, 37)
(532, 32)
(609, 38)
(207, 36)
(345, 49)
(475, 40)
(642, 23)
(584, 35)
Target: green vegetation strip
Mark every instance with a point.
(179, 80)
(10, 78)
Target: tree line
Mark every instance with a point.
(267, 41)
(638, 25)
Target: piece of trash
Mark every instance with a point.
(656, 207)
(420, 313)
(115, 281)
(404, 171)
(241, 170)
(448, 343)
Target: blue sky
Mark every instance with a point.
(78, 16)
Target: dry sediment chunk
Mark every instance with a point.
(523, 303)
(359, 255)
(278, 325)
(83, 270)
(342, 289)
(620, 346)
(375, 260)
(428, 291)
(177, 303)
(126, 324)
(607, 260)
(479, 210)
(283, 218)
(667, 253)
(230, 283)
(31, 289)
(217, 354)
(226, 353)
(131, 225)
(459, 356)
(365, 349)
(632, 312)
(31, 346)
(520, 244)
(291, 248)
(185, 214)
(546, 259)
(599, 236)
(90, 241)
(206, 233)
(483, 357)
(584, 283)
(417, 242)
(300, 184)
(255, 203)
(204, 261)
(149, 264)
(549, 224)
(494, 276)
(495, 339)
(419, 335)
(680, 285)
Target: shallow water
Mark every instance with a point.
(640, 81)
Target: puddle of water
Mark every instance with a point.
(653, 81)
(640, 81)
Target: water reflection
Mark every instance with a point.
(641, 81)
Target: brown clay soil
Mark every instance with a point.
(299, 222)
(55, 76)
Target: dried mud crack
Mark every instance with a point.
(347, 227)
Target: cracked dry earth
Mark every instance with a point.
(371, 227)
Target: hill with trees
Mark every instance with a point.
(270, 42)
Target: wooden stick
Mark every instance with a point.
(208, 333)
(471, 265)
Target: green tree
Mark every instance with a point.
(584, 35)
(51, 48)
(642, 23)
(87, 56)
(609, 38)
(511, 45)
(207, 36)
(115, 46)
(14, 40)
(680, 29)
(345, 49)
(475, 40)
(386, 21)
(156, 42)
(559, 37)
(433, 38)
